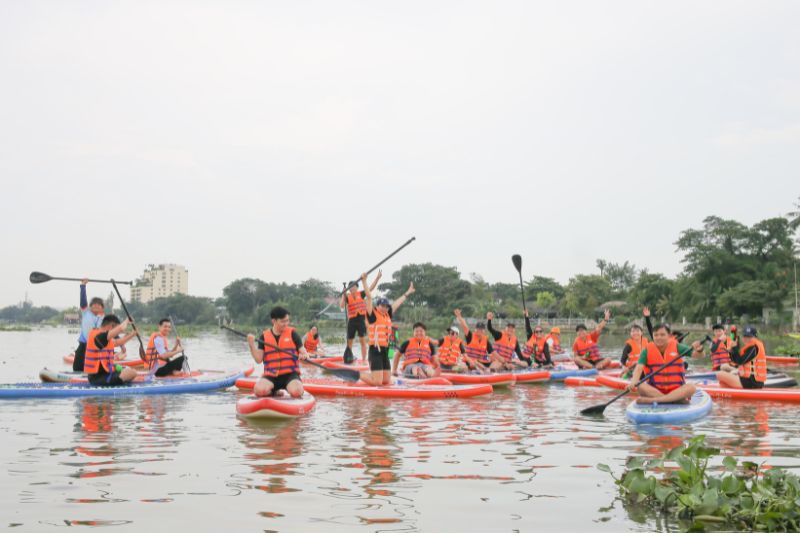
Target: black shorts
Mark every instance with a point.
(379, 358)
(104, 379)
(357, 325)
(486, 364)
(280, 382)
(80, 356)
(174, 365)
(751, 383)
(448, 367)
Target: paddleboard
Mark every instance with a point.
(670, 413)
(254, 407)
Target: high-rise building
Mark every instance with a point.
(160, 281)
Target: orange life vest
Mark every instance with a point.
(97, 357)
(311, 343)
(636, 350)
(449, 350)
(356, 305)
(587, 348)
(757, 366)
(279, 363)
(504, 346)
(476, 348)
(556, 342)
(721, 352)
(535, 347)
(151, 354)
(674, 375)
(418, 351)
(380, 330)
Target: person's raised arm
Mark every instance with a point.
(495, 334)
(84, 304)
(397, 303)
(603, 323)
(374, 284)
(528, 328)
(648, 322)
(368, 293)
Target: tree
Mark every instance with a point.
(585, 293)
(621, 277)
(539, 284)
(649, 290)
(27, 313)
(545, 300)
(601, 264)
(438, 287)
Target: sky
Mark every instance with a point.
(290, 140)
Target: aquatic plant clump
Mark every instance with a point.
(744, 496)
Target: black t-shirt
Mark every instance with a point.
(371, 318)
(404, 347)
(298, 342)
(101, 340)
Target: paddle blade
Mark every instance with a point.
(343, 373)
(348, 356)
(39, 277)
(594, 410)
(517, 260)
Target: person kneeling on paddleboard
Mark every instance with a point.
(669, 384)
(158, 351)
(418, 354)
(585, 350)
(99, 363)
(507, 354)
(312, 342)
(751, 360)
(281, 367)
(379, 317)
(476, 353)
(536, 348)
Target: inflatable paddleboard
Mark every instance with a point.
(670, 413)
(254, 407)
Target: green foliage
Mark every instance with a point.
(743, 496)
(27, 313)
(250, 300)
(438, 288)
(788, 348)
(585, 293)
(540, 284)
(545, 300)
(183, 308)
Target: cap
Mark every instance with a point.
(454, 329)
(556, 330)
(382, 301)
(750, 331)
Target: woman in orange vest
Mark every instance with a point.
(633, 347)
(312, 342)
(281, 368)
(451, 351)
(669, 385)
(506, 354)
(720, 350)
(356, 308)
(157, 349)
(379, 318)
(585, 350)
(418, 354)
(536, 348)
(99, 364)
(478, 347)
(554, 341)
(751, 360)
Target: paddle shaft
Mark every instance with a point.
(373, 269)
(127, 313)
(51, 278)
(177, 337)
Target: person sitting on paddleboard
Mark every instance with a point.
(418, 354)
(536, 348)
(100, 357)
(356, 308)
(91, 317)
(586, 352)
(379, 318)
(281, 368)
(312, 342)
(476, 353)
(751, 360)
(158, 349)
(720, 349)
(451, 351)
(633, 347)
(507, 354)
(669, 385)
(554, 341)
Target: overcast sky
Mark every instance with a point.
(288, 140)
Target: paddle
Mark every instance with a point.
(178, 338)
(348, 356)
(517, 260)
(343, 373)
(598, 409)
(40, 277)
(125, 308)
(370, 271)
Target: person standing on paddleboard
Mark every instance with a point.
(507, 354)
(158, 350)
(100, 364)
(281, 365)
(356, 308)
(668, 385)
(751, 360)
(536, 348)
(476, 353)
(379, 318)
(92, 314)
(585, 350)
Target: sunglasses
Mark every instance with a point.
(537, 331)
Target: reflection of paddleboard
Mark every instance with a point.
(275, 406)
(670, 413)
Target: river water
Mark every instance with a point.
(521, 459)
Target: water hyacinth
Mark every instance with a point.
(743, 496)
